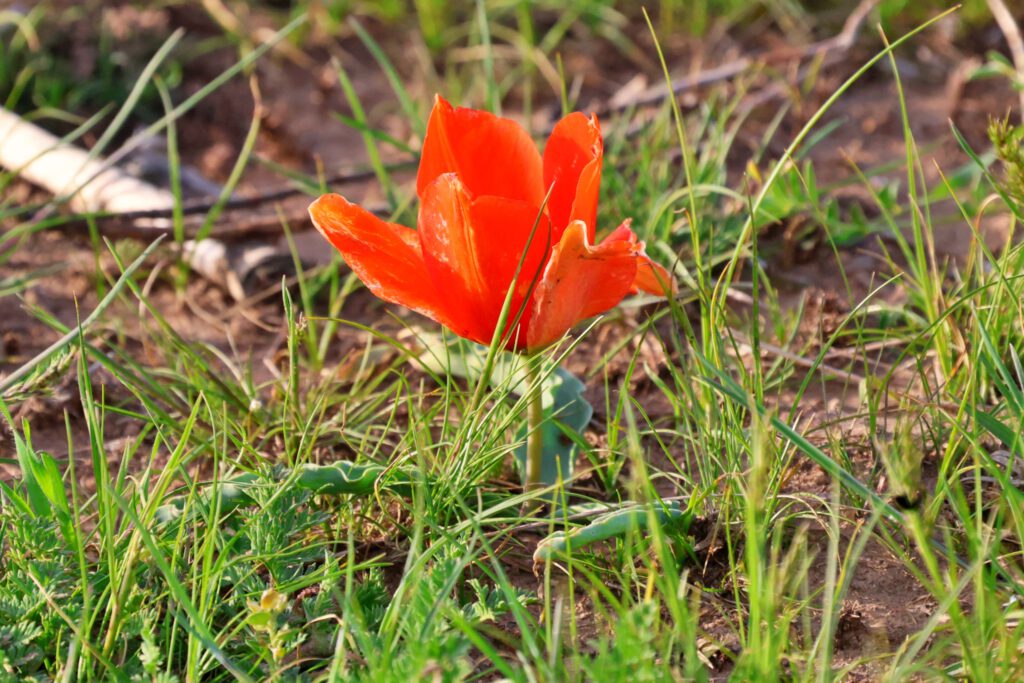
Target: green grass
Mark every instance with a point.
(321, 515)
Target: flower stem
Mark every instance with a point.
(534, 417)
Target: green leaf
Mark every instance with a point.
(261, 620)
(610, 525)
(338, 478)
(566, 412)
(996, 428)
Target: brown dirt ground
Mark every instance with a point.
(885, 604)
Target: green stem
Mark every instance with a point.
(534, 417)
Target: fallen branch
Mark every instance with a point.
(96, 187)
(242, 269)
(42, 159)
(236, 219)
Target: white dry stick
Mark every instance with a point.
(42, 159)
(1011, 31)
(66, 170)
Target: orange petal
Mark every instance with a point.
(572, 168)
(506, 228)
(385, 256)
(491, 155)
(580, 281)
(622, 233)
(472, 249)
(651, 277)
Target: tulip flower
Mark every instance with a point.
(498, 219)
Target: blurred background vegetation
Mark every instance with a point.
(59, 58)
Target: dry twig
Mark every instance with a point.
(94, 185)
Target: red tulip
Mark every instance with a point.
(481, 185)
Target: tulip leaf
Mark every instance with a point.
(338, 478)
(619, 522)
(566, 413)
(465, 359)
